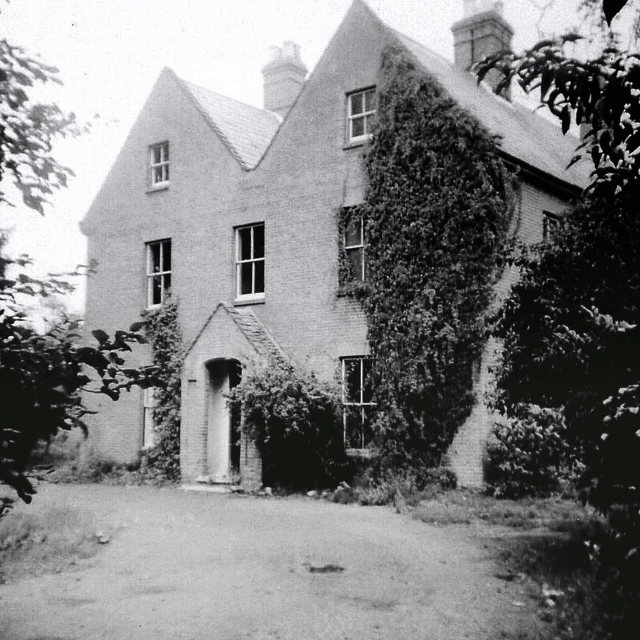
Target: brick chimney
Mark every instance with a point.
(284, 76)
(481, 32)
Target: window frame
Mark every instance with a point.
(361, 403)
(163, 165)
(552, 223)
(149, 404)
(355, 247)
(163, 274)
(253, 296)
(368, 117)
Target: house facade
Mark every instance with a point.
(234, 210)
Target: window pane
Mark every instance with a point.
(367, 392)
(165, 173)
(357, 127)
(156, 153)
(368, 123)
(258, 241)
(246, 269)
(166, 256)
(167, 282)
(259, 276)
(367, 423)
(354, 256)
(154, 261)
(157, 175)
(356, 103)
(352, 379)
(352, 234)
(156, 289)
(370, 100)
(244, 240)
(165, 152)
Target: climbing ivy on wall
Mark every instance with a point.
(164, 335)
(436, 216)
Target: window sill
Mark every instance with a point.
(160, 187)
(243, 302)
(356, 144)
(360, 454)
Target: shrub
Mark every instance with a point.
(529, 454)
(296, 423)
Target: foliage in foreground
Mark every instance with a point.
(296, 423)
(42, 376)
(436, 213)
(530, 454)
(572, 325)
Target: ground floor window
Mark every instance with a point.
(357, 401)
(149, 404)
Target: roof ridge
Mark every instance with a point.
(231, 99)
(225, 140)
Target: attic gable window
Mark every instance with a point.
(250, 262)
(158, 272)
(159, 165)
(361, 112)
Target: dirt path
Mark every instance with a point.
(205, 566)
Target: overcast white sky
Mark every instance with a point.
(110, 53)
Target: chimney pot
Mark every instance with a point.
(482, 32)
(284, 76)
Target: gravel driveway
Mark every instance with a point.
(209, 566)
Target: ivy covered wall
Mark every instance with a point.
(436, 214)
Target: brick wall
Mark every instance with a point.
(466, 454)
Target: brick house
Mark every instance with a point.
(234, 209)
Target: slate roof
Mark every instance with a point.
(253, 330)
(256, 333)
(524, 135)
(245, 130)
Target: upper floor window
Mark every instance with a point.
(552, 223)
(354, 246)
(357, 402)
(158, 271)
(361, 112)
(159, 165)
(250, 262)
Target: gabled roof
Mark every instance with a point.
(525, 137)
(245, 130)
(253, 330)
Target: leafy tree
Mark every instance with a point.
(41, 375)
(571, 326)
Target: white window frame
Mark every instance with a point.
(552, 223)
(348, 404)
(162, 165)
(367, 117)
(149, 403)
(251, 260)
(356, 247)
(163, 274)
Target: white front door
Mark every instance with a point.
(218, 423)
